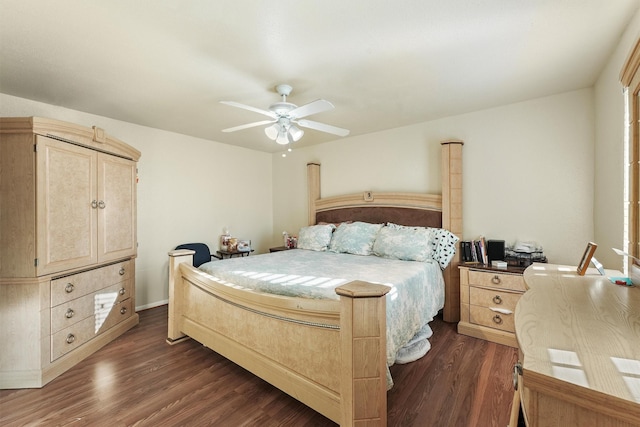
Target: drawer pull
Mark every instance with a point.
(497, 319)
(497, 299)
(71, 338)
(123, 310)
(69, 314)
(69, 288)
(121, 271)
(122, 291)
(517, 371)
(495, 280)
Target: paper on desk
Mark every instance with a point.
(621, 281)
(619, 252)
(634, 268)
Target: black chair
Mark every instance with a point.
(202, 255)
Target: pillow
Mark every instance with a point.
(409, 244)
(356, 238)
(334, 223)
(315, 237)
(443, 242)
(445, 245)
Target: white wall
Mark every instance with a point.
(609, 197)
(528, 171)
(219, 185)
(547, 170)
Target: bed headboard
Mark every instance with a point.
(399, 208)
(426, 210)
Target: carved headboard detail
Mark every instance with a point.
(400, 208)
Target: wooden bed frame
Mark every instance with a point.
(334, 356)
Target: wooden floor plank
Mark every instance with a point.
(139, 380)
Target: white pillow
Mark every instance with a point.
(315, 237)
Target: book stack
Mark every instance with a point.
(474, 251)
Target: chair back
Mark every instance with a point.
(202, 254)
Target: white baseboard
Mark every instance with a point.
(152, 305)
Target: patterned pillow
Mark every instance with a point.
(409, 244)
(315, 237)
(445, 245)
(356, 238)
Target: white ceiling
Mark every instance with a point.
(383, 64)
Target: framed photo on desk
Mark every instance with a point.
(586, 258)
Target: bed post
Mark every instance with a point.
(363, 336)
(452, 221)
(313, 189)
(177, 257)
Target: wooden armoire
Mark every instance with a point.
(68, 246)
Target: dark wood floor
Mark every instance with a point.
(140, 380)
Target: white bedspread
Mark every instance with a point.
(416, 296)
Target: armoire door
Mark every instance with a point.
(116, 207)
(66, 202)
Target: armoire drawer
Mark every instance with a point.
(71, 287)
(71, 312)
(497, 280)
(66, 340)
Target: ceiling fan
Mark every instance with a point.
(285, 117)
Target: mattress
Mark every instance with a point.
(416, 296)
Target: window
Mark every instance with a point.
(630, 78)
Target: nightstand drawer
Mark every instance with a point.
(497, 280)
(486, 317)
(493, 298)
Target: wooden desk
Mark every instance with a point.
(579, 339)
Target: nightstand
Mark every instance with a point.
(488, 298)
(229, 254)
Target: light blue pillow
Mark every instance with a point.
(315, 237)
(409, 244)
(443, 242)
(356, 238)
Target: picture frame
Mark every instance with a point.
(586, 258)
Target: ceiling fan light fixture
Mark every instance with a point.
(272, 131)
(295, 132)
(283, 137)
(286, 119)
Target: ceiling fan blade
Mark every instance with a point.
(250, 108)
(248, 125)
(314, 107)
(323, 127)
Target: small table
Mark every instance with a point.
(223, 254)
(488, 298)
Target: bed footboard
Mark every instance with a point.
(329, 354)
